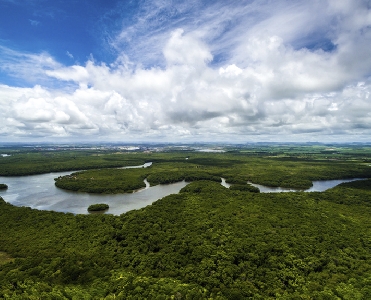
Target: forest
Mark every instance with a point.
(208, 241)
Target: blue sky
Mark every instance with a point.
(175, 71)
(69, 31)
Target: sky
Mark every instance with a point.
(185, 71)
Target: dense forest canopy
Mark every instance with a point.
(208, 241)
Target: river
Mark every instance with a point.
(318, 186)
(39, 191)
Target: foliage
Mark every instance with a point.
(129, 180)
(44, 162)
(5, 258)
(170, 177)
(244, 187)
(290, 167)
(235, 167)
(236, 180)
(205, 242)
(98, 207)
(107, 181)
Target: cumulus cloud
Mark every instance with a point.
(186, 50)
(274, 84)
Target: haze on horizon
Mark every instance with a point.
(175, 71)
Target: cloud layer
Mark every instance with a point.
(292, 71)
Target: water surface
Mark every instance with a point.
(39, 191)
(318, 186)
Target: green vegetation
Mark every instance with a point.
(29, 163)
(207, 242)
(5, 258)
(174, 176)
(244, 187)
(107, 181)
(236, 168)
(98, 207)
(3, 186)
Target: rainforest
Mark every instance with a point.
(207, 241)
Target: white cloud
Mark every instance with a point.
(186, 50)
(29, 67)
(69, 54)
(73, 73)
(273, 84)
(34, 22)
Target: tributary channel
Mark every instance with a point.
(39, 191)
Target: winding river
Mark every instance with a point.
(318, 186)
(39, 191)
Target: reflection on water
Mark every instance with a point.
(318, 186)
(39, 191)
(146, 165)
(223, 183)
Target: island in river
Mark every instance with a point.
(98, 207)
